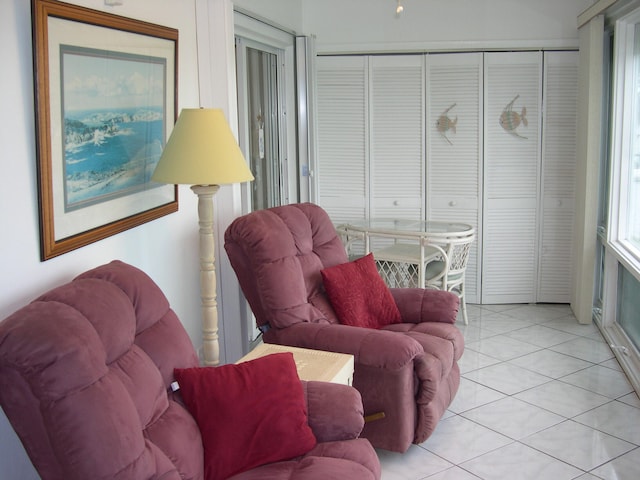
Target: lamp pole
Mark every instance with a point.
(210, 344)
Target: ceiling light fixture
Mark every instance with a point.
(399, 8)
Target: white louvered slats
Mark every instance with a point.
(513, 83)
(381, 154)
(397, 136)
(509, 246)
(342, 136)
(558, 175)
(454, 147)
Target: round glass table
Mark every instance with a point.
(395, 227)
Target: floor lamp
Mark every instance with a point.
(203, 152)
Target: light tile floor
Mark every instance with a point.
(541, 397)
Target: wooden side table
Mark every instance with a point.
(311, 364)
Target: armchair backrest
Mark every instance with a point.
(85, 374)
(459, 254)
(277, 255)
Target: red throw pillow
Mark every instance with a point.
(249, 414)
(358, 294)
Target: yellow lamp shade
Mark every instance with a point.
(202, 151)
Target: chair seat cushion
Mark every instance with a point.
(358, 294)
(434, 269)
(249, 414)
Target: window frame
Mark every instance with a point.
(623, 126)
(617, 253)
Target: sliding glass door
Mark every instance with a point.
(267, 129)
(260, 112)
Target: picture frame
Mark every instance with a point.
(105, 104)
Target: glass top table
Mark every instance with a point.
(406, 244)
(403, 227)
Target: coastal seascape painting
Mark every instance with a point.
(113, 113)
(106, 99)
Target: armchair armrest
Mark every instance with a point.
(419, 305)
(372, 348)
(335, 411)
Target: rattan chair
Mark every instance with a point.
(448, 273)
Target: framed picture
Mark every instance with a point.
(106, 100)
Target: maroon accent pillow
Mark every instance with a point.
(358, 294)
(249, 414)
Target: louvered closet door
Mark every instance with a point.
(558, 175)
(454, 148)
(397, 136)
(511, 176)
(342, 136)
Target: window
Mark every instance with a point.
(261, 114)
(632, 234)
(618, 262)
(266, 104)
(629, 305)
(624, 225)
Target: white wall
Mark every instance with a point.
(166, 248)
(371, 25)
(284, 13)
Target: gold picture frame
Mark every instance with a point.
(106, 101)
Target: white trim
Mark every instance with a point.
(628, 356)
(260, 31)
(622, 255)
(266, 21)
(625, 352)
(609, 290)
(593, 11)
(589, 149)
(445, 46)
(305, 112)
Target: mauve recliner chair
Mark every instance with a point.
(408, 370)
(85, 379)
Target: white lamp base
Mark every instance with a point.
(210, 343)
